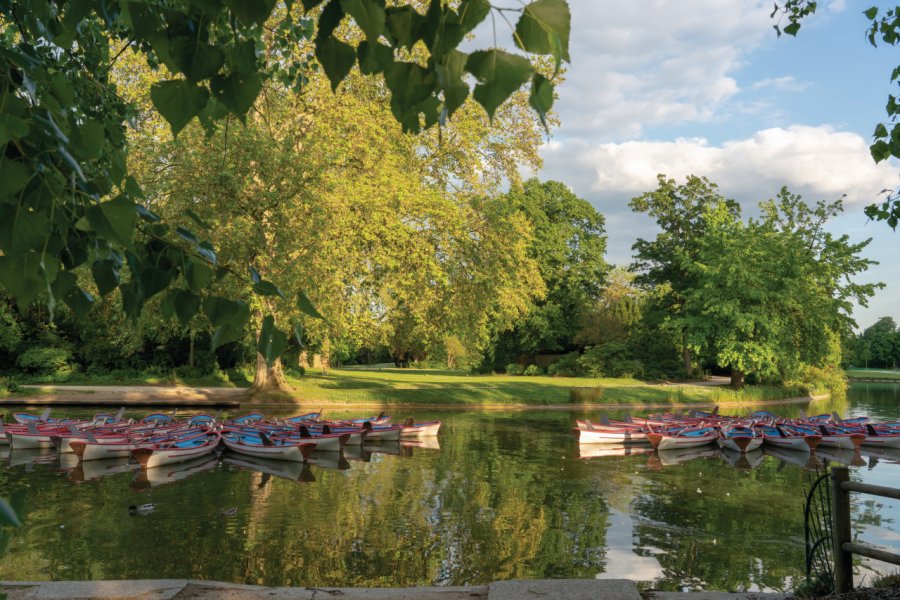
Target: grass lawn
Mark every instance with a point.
(423, 386)
(129, 377)
(873, 374)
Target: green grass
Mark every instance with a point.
(873, 374)
(431, 387)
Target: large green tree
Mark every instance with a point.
(67, 201)
(773, 295)
(568, 246)
(680, 212)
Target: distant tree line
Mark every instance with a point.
(876, 346)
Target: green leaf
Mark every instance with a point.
(499, 74)
(178, 101)
(11, 128)
(226, 333)
(221, 311)
(267, 288)
(13, 176)
(450, 72)
(90, 139)
(409, 84)
(167, 305)
(541, 97)
(64, 282)
(7, 515)
(154, 280)
(880, 151)
(329, 20)
(544, 28)
(306, 305)
(113, 220)
(237, 91)
(336, 58)
(197, 60)
(106, 275)
(27, 230)
(251, 12)
(187, 305)
(21, 277)
(271, 342)
(871, 13)
(792, 29)
(80, 302)
(298, 334)
(196, 219)
(880, 131)
(197, 274)
(369, 16)
(373, 58)
(472, 12)
(405, 25)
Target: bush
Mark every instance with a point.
(45, 360)
(533, 370)
(566, 366)
(515, 369)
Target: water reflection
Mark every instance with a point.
(500, 496)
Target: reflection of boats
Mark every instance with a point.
(357, 453)
(292, 470)
(328, 460)
(744, 461)
(392, 448)
(428, 443)
(889, 454)
(602, 450)
(843, 456)
(156, 476)
(96, 469)
(801, 458)
(31, 456)
(668, 458)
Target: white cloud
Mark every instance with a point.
(818, 162)
(787, 83)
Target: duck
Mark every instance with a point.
(141, 509)
(230, 511)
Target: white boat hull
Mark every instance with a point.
(423, 430)
(291, 452)
(590, 436)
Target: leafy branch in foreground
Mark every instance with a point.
(67, 201)
(886, 27)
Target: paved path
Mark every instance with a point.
(183, 589)
(131, 395)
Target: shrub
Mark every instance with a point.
(566, 366)
(45, 360)
(533, 370)
(515, 369)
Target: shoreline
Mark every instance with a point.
(183, 396)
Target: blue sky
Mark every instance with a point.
(705, 87)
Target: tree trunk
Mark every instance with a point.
(191, 351)
(686, 353)
(737, 378)
(268, 379)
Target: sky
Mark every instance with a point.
(705, 87)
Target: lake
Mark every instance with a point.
(501, 495)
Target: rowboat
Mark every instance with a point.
(835, 438)
(257, 446)
(788, 439)
(739, 438)
(413, 431)
(612, 436)
(177, 450)
(684, 438)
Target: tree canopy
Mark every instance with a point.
(67, 199)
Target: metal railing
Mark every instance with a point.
(844, 547)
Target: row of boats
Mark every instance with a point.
(741, 434)
(161, 439)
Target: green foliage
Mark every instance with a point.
(532, 371)
(566, 366)
(44, 360)
(67, 200)
(515, 369)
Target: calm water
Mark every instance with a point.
(506, 495)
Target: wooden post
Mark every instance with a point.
(840, 511)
